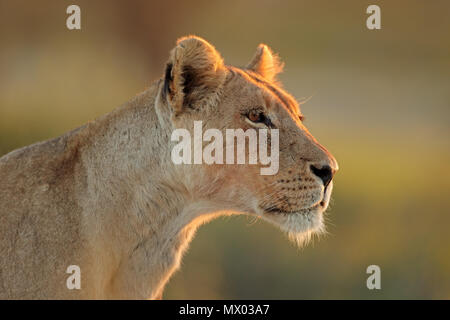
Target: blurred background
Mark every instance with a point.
(379, 100)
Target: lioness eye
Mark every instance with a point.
(256, 116)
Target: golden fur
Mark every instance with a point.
(107, 197)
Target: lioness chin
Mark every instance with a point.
(106, 197)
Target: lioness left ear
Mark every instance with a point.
(266, 63)
(194, 74)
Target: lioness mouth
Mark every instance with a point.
(280, 211)
(277, 210)
(326, 194)
(322, 204)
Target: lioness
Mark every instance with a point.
(106, 197)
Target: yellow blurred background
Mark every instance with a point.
(378, 99)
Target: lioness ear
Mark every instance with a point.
(194, 74)
(266, 63)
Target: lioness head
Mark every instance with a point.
(198, 86)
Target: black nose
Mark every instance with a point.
(325, 174)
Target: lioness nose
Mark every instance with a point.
(325, 174)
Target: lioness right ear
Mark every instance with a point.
(194, 74)
(266, 63)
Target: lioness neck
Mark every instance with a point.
(138, 215)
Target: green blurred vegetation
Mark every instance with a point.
(379, 100)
